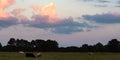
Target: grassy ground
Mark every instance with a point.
(61, 56)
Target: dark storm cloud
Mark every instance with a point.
(107, 18)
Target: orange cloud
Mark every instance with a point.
(47, 10)
(3, 14)
(4, 4)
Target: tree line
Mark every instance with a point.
(14, 45)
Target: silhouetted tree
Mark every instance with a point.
(23, 44)
(51, 45)
(85, 47)
(98, 47)
(12, 42)
(39, 44)
(72, 49)
(0, 45)
(113, 45)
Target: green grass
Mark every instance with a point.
(61, 56)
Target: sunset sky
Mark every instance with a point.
(69, 22)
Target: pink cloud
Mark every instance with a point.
(46, 18)
(48, 10)
(4, 4)
(17, 11)
(35, 7)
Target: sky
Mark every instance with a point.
(69, 22)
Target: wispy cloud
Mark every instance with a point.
(99, 1)
(86, 0)
(103, 1)
(101, 5)
(105, 18)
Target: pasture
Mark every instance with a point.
(61, 56)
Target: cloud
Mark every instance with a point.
(4, 4)
(47, 10)
(101, 5)
(5, 19)
(69, 26)
(103, 1)
(17, 11)
(105, 18)
(45, 18)
(35, 7)
(86, 0)
(5, 23)
(99, 1)
(119, 2)
(117, 6)
(63, 26)
(3, 14)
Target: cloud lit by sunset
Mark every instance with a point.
(4, 4)
(3, 14)
(48, 10)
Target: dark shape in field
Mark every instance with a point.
(30, 55)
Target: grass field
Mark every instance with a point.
(61, 56)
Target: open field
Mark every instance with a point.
(61, 56)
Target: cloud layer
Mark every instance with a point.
(5, 23)
(46, 18)
(43, 17)
(63, 26)
(105, 18)
(102, 3)
(4, 4)
(99, 1)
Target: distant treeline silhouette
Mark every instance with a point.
(49, 45)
